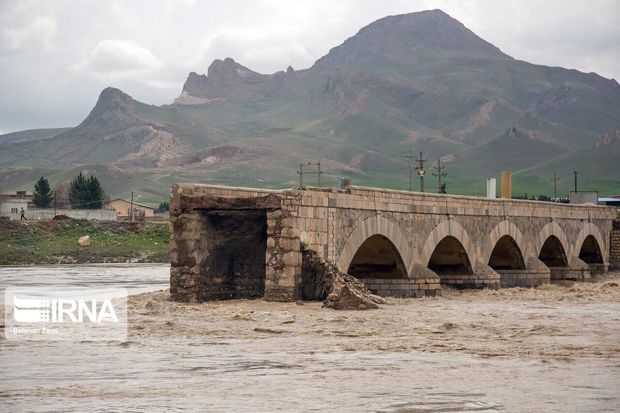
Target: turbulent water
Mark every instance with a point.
(552, 349)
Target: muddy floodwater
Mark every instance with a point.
(552, 349)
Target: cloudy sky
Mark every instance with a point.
(56, 56)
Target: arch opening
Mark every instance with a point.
(377, 257)
(450, 258)
(590, 251)
(552, 253)
(506, 255)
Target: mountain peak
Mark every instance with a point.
(407, 37)
(222, 72)
(113, 107)
(222, 76)
(112, 93)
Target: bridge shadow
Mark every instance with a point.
(590, 253)
(450, 262)
(376, 258)
(553, 255)
(507, 260)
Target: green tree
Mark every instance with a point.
(95, 193)
(42, 193)
(163, 207)
(78, 192)
(86, 193)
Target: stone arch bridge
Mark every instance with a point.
(244, 243)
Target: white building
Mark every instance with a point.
(11, 203)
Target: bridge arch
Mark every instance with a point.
(454, 230)
(591, 235)
(449, 259)
(377, 257)
(552, 246)
(377, 230)
(506, 255)
(500, 232)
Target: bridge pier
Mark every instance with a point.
(577, 270)
(534, 274)
(598, 268)
(471, 281)
(422, 283)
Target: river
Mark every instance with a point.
(552, 349)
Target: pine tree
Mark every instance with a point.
(42, 193)
(95, 193)
(78, 192)
(86, 193)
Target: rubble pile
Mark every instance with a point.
(321, 280)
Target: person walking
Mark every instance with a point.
(22, 215)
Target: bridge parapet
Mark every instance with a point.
(377, 235)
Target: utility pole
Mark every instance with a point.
(131, 207)
(54, 203)
(409, 155)
(301, 176)
(440, 175)
(555, 185)
(318, 171)
(575, 172)
(301, 173)
(420, 169)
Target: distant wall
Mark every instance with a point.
(614, 247)
(89, 214)
(583, 197)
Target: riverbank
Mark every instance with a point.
(56, 242)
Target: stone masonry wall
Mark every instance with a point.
(193, 244)
(335, 223)
(403, 288)
(614, 247)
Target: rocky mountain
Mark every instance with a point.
(420, 80)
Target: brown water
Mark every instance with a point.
(553, 349)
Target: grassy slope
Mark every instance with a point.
(54, 242)
(31, 135)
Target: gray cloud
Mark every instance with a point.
(56, 56)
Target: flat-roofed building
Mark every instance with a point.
(11, 203)
(123, 209)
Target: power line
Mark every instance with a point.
(409, 155)
(555, 184)
(131, 206)
(421, 171)
(575, 172)
(440, 174)
(318, 173)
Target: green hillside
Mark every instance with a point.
(420, 80)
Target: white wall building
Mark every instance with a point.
(11, 203)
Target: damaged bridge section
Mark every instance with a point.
(230, 243)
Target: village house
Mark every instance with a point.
(11, 203)
(123, 209)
